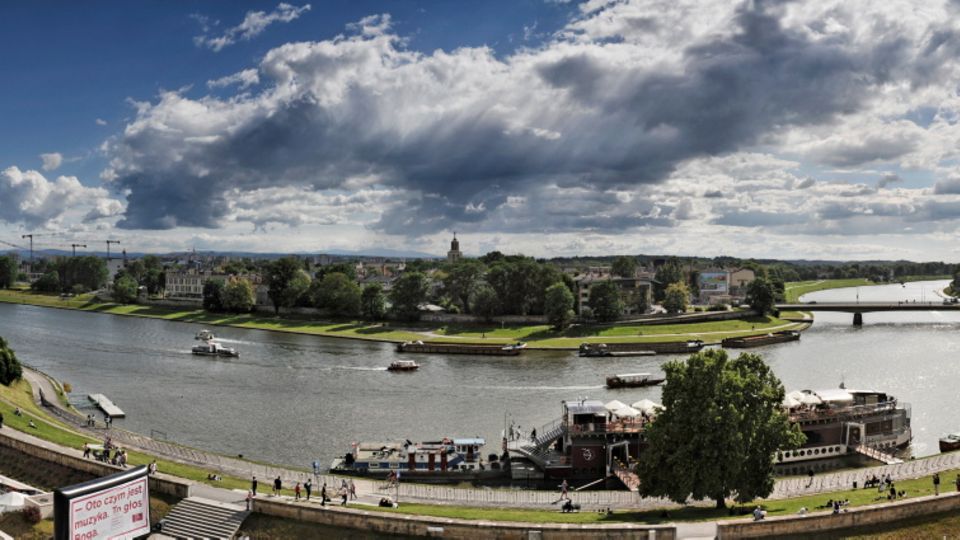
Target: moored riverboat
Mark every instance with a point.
(403, 365)
(949, 443)
(445, 460)
(461, 348)
(633, 380)
(747, 342)
(841, 422)
(639, 349)
(212, 348)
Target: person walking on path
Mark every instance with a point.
(809, 477)
(253, 486)
(353, 489)
(296, 492)
(344, 494)
(249, 500)
(308, 487)
(936, 483)
(563, 490)
(277, 486)
(323, 495)
(533, 434)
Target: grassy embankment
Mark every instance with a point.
(795, 289)
(537, 336)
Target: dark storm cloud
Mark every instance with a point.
(351, 107)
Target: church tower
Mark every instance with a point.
(454, 254)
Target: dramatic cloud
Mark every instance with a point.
(51, 161)
(254, 23)
(27, 197)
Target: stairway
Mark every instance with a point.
(877, 455)
(196, 517)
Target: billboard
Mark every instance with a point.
(713, 281)
(112, 507)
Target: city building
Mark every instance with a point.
(635, 292)
(188, 285)
(454, 254)
(719, 286)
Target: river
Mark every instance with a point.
(291, 399)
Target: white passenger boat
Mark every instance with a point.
(212, 348)
(205, 335)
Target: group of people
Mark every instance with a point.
(346, 491)
(118, 457)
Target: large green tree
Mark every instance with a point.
(408, 292)
(624, 266)
(238, 296)
(125, 289)
(761, 295)
(719, 432)
(486, 303)
(676, 297)
(337, 294)
(463, 278)
(558, 305)
(287, 281)
(10, 369)
(213, 295)
(372, 302)
(605, 301)
(8, 271)
(49, 283)
(670, 272)
(88, 271)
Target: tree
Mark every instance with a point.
(8, 271)
(670, 272)
(558, 305)
(137, 270)
(89, 271)
(676, 297)
(238, 296)
(486, 304)
(10, 369)
(719, 432)
(624, 267)
(213, 295)
(605, 302)
(125, 290)
(372, 302)
(761, 295)
(461, 281)
(408, 292)
(49, 283)
(287, 282)
(350, 270)
(338, 294)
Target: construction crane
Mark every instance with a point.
(30, 236)
(108, 248)
(75, 246)
(11, 245)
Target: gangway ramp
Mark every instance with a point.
(877, 455)
(107, 406)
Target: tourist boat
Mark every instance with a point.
(403, 365)
(949, 443)
(640, 349)
(461, 348)
(205, 335)
(445, 460)
(633, 380)
(759, 341)
(839, 422)
(212, 348)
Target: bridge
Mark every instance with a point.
(859, 308)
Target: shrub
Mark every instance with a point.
(32, 515)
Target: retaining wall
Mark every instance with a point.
(176, 487)
(879, 514)
(458, 529)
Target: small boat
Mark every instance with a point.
(949, 443)
(633, 380)
(212, 348)
(205, 335)
(403, 365)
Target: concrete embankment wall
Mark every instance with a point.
(456, 528)
(880, 514)
(169, 486)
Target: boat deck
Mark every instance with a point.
(107, 406)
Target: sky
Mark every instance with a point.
(784, 129)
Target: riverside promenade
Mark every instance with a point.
(490, 497)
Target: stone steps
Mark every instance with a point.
(196, 517)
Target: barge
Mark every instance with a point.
(640, 349)
(758, 341)
(461, 348)
(949, 443)
(840, 422)
(447, 460)
(633, 380)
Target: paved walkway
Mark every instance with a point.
(373, 489)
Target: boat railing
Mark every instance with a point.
(855, 410)
(618, 426)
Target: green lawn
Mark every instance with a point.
(795, 289)
(537, 336)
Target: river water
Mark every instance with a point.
(291, 399)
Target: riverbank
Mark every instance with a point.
(536, 336)
(793, 290)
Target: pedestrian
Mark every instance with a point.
(296, 492)
(533, 434)
(249, 500)
(277, 486)
(86, 451)
(1, 420)
(152, 468)
(253, 486)
(563, 490)
(343, 496)
(308, 487)
(958, 482)
(323, 495)
(809, 477)
(353, 489)
(936, 483)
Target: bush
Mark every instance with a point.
(719, 307)
(32, 515)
